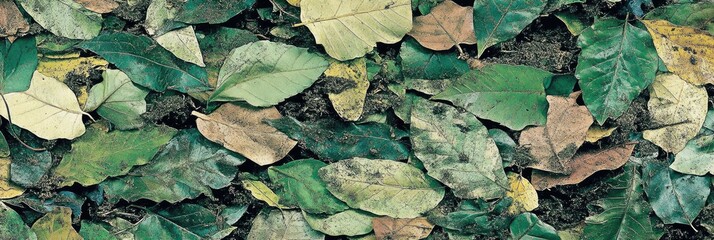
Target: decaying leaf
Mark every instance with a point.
(56, 225)
(241, 129)
(555, 143)
(301, 186)
(183, 44)
(446, 26)
(13, 227)
(118, 100)
(528, 226)
(349, 104)
(525, 197)
(282, 225)
(583, 166)
(99, 6)
(401, 228)
(496, 21)
(596, 133)
(679, 108)
(347, 223)
(7, 188)
(65, 18)
(61, 67)
(696, 157)
(261, 192)
(688, 52)
(11, 21)
(675, 197)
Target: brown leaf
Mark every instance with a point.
(447, 25)
(583, 166)
(401, 228)
(240, 128)
(556, 142)
(99, 6)
(11, 21)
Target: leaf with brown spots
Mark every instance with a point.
(99, 6)
(401, 228)
(583, 166)
(555, 143)
(446, 26)
(11, 21)
(240, 128)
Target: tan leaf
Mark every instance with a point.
(686, 51)
(401, 228)
(7, 189)
(583, 166)
(99, 6)
(556, 142)
(349, 104)
(596, 133)
(447, 25)
(11, 20)
(240, 128)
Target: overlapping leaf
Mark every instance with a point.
(302, 186)
(282, 225)
(686, 51)
(118, 100)
(65, 18)
(446, 26)
(675, 197)
(496, 21)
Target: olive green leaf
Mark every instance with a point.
(675, 197)
(301, 185)
(348, 223)
(507, 148)
(12, 226)
(337, 140)
(617, 62)
(159, 16)
(211, 11)
(456, 150)
(189, 165)
(496, 21)
(513, 96)
(18, 61)
(64, 18)
(95, 231)
(54, 224)
(626, 214)
(193, 218)
(214, 44)
(382, 187)
(148, 64)
(528, 226)
(118, 100)
(263, 193)
(265, 73)
(282, 225)
(98, 154)
(156, 227)
(697, 15)
(421, 63)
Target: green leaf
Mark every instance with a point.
(617, 62)
(211, 11)
(98, 154)
(118, 100)
(148, 64)
(28, 166)
(675, 197)
(561, 85)
(54, 224)
(95, 231)
(64, 18)
(12, 226)
(337, 140)
(476, 217)
(282, 225)
(302, 186)
(156, 227)
(348, 223)
(382, 187)
(265, 73)
(553, 5)
(159, 17)
(215, 43)
(456, 150)
(626, 214)
(697, 15)
(496, 21)
(507, 148)
(189, 165)
(421, 63)
(513, 96)
(696, 157)
(528, 226)
(18, 61)
(195, 219)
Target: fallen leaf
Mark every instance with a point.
(282, 225)
(301, 186)
(99, 6)
(118, 100)
(211, 11)
(48, 109)
(7, 188)
(421, 63)
(555, 143)
(446, 26)
(11, 21)
(695, 14)
(241, 129)
(64, 18)
(347, 223)
(95, 230)
(28, 167)
(183, 221)
(159, 16)
(13, 226)
(525, 197)
(401, 228)
(295, 3)
(596, 133)
(687, 52)
(63, 67)
(261, 192)
(675, 197)
(528, 226)
(696, 157)
(57, 223)
(679, 107)
(583, 166)
(183, 44)
(349, 29)
(18, 61)
(572, 21)
(498, 21)
(349, 103)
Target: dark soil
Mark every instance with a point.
(172, 109)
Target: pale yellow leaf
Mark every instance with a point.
(596, 133)
(525, 197)
(261, 192)
(59, 66)
(295, 3)
(183, 44)
(349, 103)
(7, 189)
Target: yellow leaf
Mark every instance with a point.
(261, 192)
(679, 107)
(596, 133)
(59, 66)
(7, 189)
(56, 225)
(686, 51)
(524, 195)
(295, 3)
(349, 103)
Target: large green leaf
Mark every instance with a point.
(337, 140)
(64, 18)
(12, 226)
(348, 223)
(156, 227)
(211, 11)
(300, 185)
(382, 187)
(189, 165)
(617, 62)
(456, 150)
(95, 231)
(215, 43)
(18, 61)
(626, 214)
(496, 21)
(196, 219)
(528, 226)
(265, 73)
(54, 224)
(282, 225)
(98, 154)
(697, 15)
(510, 95)
(675, 197)
(476, 217)
(148, 64)
(421, 63)
(118, 100)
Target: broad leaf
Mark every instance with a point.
(13, 227)
(404, 228)
(496, 21)
(263, 193)
(28, 167)
(696, 157)
(282, 225)
(7, 188)
(349, 103)
(525, 197)
(476, 217)
(216, 42)
(420, 63)
(446, 26)
(183, 44)
(18, 61)
(56, 223)
(194, 218)
(92, 230)
(211, 11)
(302, 186)
(99, 6)
(528, 226)
(696, 15)
(348, 223)
(118, 100)
(65, 18)
(675, 197)
(156, 227)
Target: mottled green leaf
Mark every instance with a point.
(561, 85)
(301, 185)
(421, 63)
(697, 15)
(476, 217)
(348, 223)
(18, 61)
(95, 231)
(196, 219)
(54, 224)
(64, 18)
(675, 197)
(282, 225)
(118, 100)
(528, 226)
(696, 157)
(496, 21)
(27, 166)
(211, 11)
(156, 227)
(12, 226)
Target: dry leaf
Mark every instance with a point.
(447, 25)
(525, 197)
(7, 189)
(596, 133)
(99, 6)
(58, 67)
(349, 104)
(556, 142)
(401, 228)
(240, 128)
(686, 51)
(11, 20)
(295, 3)
(583, 166)
(261, 192)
